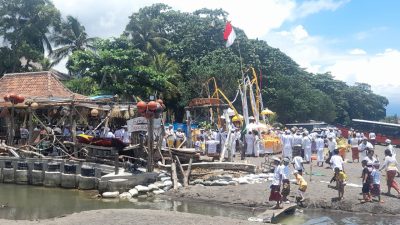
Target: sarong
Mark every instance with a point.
(275, 193)
(390, 174)
(355, 154)
(285, 187)
(375, 190)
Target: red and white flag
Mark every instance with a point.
(229, 34)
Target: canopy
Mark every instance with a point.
(237, 118)
(267, 112)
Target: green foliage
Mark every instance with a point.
(85, 86)
(26, 25)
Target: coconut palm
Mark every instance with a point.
(72, 37)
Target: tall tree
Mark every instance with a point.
(72, 37)
(25, 26)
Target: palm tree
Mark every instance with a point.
(145, 37)
(170, 70)
(72, 37)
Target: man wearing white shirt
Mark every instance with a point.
(332, 145)
(306, 145)
(362, 147)
(120, 133)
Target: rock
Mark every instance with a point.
(152, 187)
(232, 182)
(220, 183)
(142, 196)
(179, 185)
(165, 179)
(167, 188)
(207, 183)
(162, 175)
(243, 180)
(226, 177)
(168, 183)
(199, 185)
(133, 200)
(159, 184)
(125, 196)
(198, 181)
(158, 192)
(134, 192)
(263, 175)
(142, 188)
(113, 194)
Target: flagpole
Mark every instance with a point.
(244, 96)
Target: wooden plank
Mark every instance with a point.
(272, 215)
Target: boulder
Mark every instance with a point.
(167, 188)
(207, 183)
(152, 187)
(168, 183)
(158, 192)
(198, 181)
(133, 192)
(222, 182)
(243, 180)
(142, 189)
(165, 179)
(125, 196)
(113, 194)
(159, 184)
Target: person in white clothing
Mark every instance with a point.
(287, 143)
(110, 134)
(320, 145)
(390, 147)
(362, 147)
(126, 137)
(336, 162)
(256, 144)
(372, 137)
(306, 145)
(249, 138)
(119, 134)
(211, 146)
(298, 164)
(332, 145)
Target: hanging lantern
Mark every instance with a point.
(94, 112)
(141, 106)
(152, 106)
(34, 105)
(160, 101)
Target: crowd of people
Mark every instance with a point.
(298, 146)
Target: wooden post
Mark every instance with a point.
(189, 129)
(73, 128)
(150, 143)
(116, 165)
(174, 175)
(30, 125)
(12, 130)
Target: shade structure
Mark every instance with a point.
(267, 112)
(237, 118)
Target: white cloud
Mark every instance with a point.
(357, 51)
(314, 6)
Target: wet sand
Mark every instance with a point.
(130, 216)
(318, 194)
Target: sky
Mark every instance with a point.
(355, 40)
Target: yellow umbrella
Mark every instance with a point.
(267, 112)
(237, 118)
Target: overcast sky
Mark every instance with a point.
(356, 40)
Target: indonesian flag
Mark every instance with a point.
(229, 34)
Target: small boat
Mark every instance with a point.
(104, 142)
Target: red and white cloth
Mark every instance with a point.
(229, 34)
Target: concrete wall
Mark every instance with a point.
(53, 174)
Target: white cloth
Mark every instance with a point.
(354, 142)
(362, 147)
(332, 145)
(390, 163)
(110, 135)
(249, 138)
(366, 158)
(287, 142)
(277, 175)
(372, 136)
(306, 144)
(336, 161)
(126, 137)
(320, 149)
(298, 163)
(392, 150)
(119, 133)
(256, 146)
(212, 146)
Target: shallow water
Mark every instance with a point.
(323, 217)
(26, 202)
(32, 203)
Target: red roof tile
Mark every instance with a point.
(36, 85)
